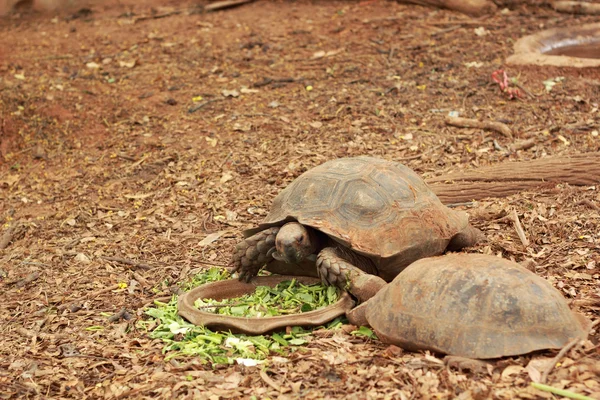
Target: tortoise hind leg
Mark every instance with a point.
(253, 252)
(334, 269)
(466, 238)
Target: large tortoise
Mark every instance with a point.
(470, 305)
(351, 216)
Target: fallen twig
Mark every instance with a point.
(225, 160)
(89, 296)
(127, 262)
(589, 204)
(269, 381)
(122, 314)
(43, 335)
(220, 5)
(157, 16)
(557, 358)
(473, 123)
(519, 228)
(7, 237)
(28, 279)
(198, 106)
(523, 144)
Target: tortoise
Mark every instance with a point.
(361, 216)
(470, 305)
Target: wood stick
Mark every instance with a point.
(28, 279)
(519, 228)
(127, 262)
(89, 296)
(469, 7)
(158, 16)
(7, 237)
(556, 359)
(473, 123)
(220, 5)
(269, 381)
(504, 179)
(576, 7)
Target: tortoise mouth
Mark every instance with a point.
(289, 256)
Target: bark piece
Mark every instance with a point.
(508, 178)
(470, 7)
(576, 7)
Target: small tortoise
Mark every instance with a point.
(470, 305)
(351, 216)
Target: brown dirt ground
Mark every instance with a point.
(102, 158)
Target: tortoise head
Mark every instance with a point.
(294, 243)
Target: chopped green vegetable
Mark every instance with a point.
(364, 331)
(288, 297)
(183, 339)
(560, 392)
(210, 275)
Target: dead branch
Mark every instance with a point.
(556, 359)
(220, 5)
(27, 280)
(469, 7)
(89, 296)
(576, 7)
(122, 314)
(44, 336)
(519, 228)
(590, 204)
(269, 381)
(508, 178)
(157, 16)
(127, 262)
(198, 106)
(9, 235)
(473, 123)
(524, 144)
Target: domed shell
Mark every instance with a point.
(378, 208)
(472, 305)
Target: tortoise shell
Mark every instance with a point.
(378, 208)
(472, 305)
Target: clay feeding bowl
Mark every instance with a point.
(572, 47)
(253, 325)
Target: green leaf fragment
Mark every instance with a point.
(364, 331)
(183, 339)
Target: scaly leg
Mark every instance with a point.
(335, 270)
(253, 252)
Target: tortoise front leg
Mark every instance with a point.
(335, 270)
(253, 252)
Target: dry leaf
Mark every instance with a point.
(82, 258)
(246, 90)
(127, 64)
(230, 93)
(226, 177)
(10, 180)
(322, 53)
(511, 370)
(210, 238)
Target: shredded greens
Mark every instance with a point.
(288, 297)
(182, 338)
